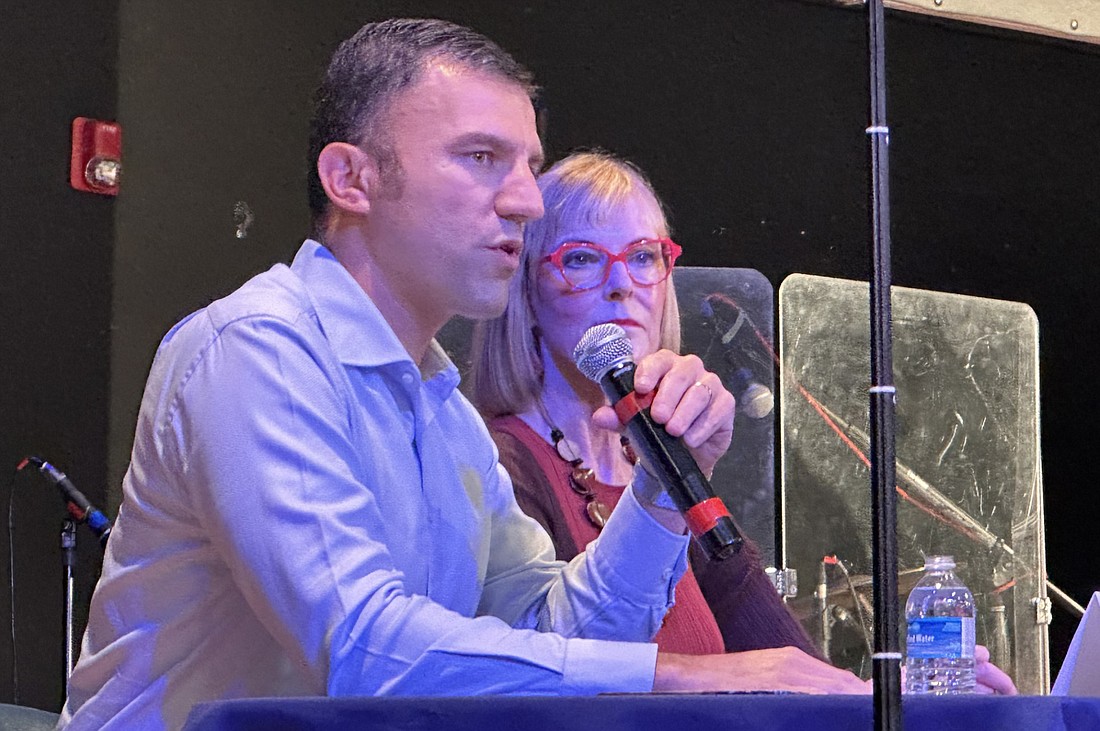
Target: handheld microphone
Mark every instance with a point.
(605, 355)
(754, 399)
(78, 506)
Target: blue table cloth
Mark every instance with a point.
(646, 712)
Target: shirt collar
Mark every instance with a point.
(357, 331)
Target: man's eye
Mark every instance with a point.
(481, 157)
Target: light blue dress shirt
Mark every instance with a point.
(307, 512)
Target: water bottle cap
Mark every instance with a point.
(939, 563)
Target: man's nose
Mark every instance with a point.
(520, 199)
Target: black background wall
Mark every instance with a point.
(748, 116)
(56, 247)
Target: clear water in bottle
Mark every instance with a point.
(939, 637)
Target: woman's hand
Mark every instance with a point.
(990, 678)
(690, 402)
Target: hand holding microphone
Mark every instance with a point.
(690, 410)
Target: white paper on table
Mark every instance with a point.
(1080, 672)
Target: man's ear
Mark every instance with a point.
(347, 174)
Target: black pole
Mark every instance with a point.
(886, 658)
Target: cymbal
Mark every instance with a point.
(907, 579)
(839, 593)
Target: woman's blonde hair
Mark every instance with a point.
(506, 369)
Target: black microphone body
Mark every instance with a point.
(78, 506)
(667, 459)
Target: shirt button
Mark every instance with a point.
(407, 378)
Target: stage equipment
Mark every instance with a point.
(968, 462)
(78, 506)
(1077, 21)
(726, 318)
(80, 510)
(886, 657)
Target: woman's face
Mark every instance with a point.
(563, 315)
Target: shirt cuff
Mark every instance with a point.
(646, 558)
(600, 666)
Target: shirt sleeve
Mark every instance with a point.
(259, 438)
(620, 587)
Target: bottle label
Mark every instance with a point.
(930, 637)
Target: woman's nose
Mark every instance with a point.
(618, 279)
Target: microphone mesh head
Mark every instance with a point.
(601, 348)
(756, 401)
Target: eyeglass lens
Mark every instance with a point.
(586, 266)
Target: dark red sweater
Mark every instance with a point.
(729, 603)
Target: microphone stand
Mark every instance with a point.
(80, 510)
(922, 494)
(886, 658)
(68, 559)
(821, 609)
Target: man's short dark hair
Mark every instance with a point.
(368, 69)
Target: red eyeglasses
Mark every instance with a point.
(584, 265)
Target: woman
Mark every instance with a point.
(602, 254)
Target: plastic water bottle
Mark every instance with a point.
(939, 639)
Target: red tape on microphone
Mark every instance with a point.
(631, 404)
(703, 516)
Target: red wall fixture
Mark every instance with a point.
(96, 162)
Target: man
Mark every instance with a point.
(312, 508)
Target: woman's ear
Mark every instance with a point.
(347, 174)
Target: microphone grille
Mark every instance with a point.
(601, 348)
(756, 401)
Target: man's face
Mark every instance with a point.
(450, 228)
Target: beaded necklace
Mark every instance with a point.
(582, 479)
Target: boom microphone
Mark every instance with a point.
(604, 355)
(754, 399)
(78, 506)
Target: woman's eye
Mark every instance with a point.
(580, 259)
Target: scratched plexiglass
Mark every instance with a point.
(968, 466)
